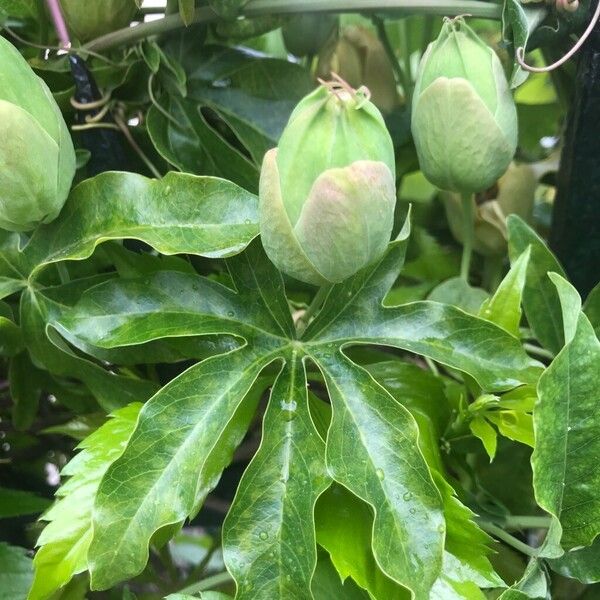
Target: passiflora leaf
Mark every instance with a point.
(197, 421)
(567, 436)
(192, 145)
(353, 313)
(269, 533)
(179, 213)
(372, 450)
(65, 541)
(112, 391)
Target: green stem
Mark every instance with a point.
(527, 522)
(405, 54)
(468, 234)
(314, 306)
(255, 8)
(206, 584)
(508, 539)
(541, 352)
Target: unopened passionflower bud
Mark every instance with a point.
(464, 120)
(327, 192)
(37, 159)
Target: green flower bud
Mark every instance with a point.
(464, 119)
(327, 192)
(37, 160)
(89, 19)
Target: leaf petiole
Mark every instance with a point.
(507, 538)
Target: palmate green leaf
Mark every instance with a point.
(540, 300)
(59, 299)
(167, 304)
(65, 541)
(14, 503)
(269, 534)
(15, 572)
(353, 313)
(197, 421)
(372, 450)
(177, 214)
(504, 308)
(567, 434)
(111, 391)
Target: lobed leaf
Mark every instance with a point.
(184, 438)
(372, 450)
(179, 213)
(269, 533)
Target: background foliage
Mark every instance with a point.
(170, 423)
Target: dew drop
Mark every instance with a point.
(6, 446)
(380, 474)
(263, 535)
(406, 496)
(412, 510)
(247, 222)
(441, 528)
(230, 313)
